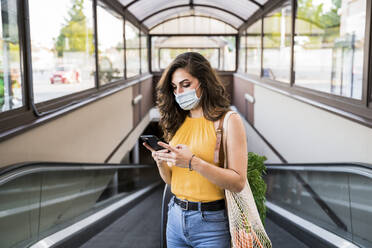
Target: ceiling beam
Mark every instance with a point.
(129, 4)
(118, 7)
(256, 3)
(267, 7)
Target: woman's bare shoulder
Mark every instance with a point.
(235, 118)
(235, 124)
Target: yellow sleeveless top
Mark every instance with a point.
(200, 136)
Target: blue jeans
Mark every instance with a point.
(199, 229)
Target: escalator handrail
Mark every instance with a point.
(12, 172)
(354, 168)
(342, 164)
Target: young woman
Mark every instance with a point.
(191, 101)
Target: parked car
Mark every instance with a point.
(65, 74)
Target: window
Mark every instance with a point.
(219, 50)
(10, 65)
(132, 49)
(144, 57)
(328, 48)
(110, 46)
(277, 44)
(254, 48)
(62, 47)
(242, 52)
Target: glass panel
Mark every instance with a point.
(329, 42)
(10, 64)
(169, 54)
(192, 25)
(262, 2)
(110, 46)
(164, 15)
(219, 50)
(19, 211)
(132, 49)
(65, 195)
(242, 8)
(277, 44)
(217, 27)
(224, 16)
(144, 56)
(290, 190)
(142, 9)
(62, 47)
(361, 202)
(69, 196)
(254, 48)
(242, 52)
(125, 2)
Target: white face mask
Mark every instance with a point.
(188, 100)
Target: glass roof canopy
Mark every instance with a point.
(153, 12)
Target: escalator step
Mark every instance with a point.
(139, 227)
(280, 237)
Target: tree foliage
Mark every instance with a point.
(323, 16)
(318, 15)
(75, 35)
(326, 18)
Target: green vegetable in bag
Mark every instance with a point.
(256, 168)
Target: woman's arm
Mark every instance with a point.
(165, 172)
(234, 177)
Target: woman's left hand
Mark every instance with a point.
(179, 155)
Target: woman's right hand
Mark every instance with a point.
(154, 154)
(164, 170)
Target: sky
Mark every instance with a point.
(47, 17)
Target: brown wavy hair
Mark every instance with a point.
(214, 98)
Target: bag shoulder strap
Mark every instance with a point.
(219, 131)
(219, 155)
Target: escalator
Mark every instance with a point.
(100, 205)
(145, 232)
(327, 204)
(65, 204)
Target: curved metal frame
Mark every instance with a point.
(173, 18)
(252, 1)
(194, 5)
(129, 4)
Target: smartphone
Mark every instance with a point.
(152, 141)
